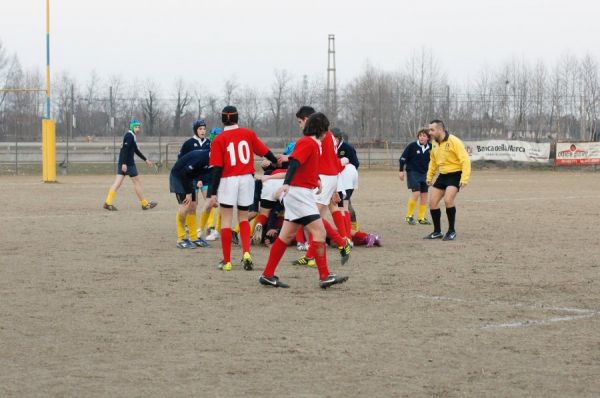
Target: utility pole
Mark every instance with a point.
(331, 97)
(111, 126)
(71, 121)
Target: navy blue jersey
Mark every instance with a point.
(194, 144)
(415, 157)
(190, 167)
(346, 150)
(128, 148)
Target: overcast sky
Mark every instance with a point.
(209, 41)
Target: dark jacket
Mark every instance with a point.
(346, 150)
(191, 167)
(192, 144)
(128, 148)
(415, 157)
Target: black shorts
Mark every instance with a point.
(345, 197)
(448, 180)
(254, 207)
(304, 221)
(181, 196)
(417, 182)
(131, 171)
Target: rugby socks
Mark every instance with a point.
(261, 219)
(348, 225)
(300, 238)
(410, 207)
(277, 251)
(333, 235)
(451, 213)
(218, 226)
(226, 244)
(360, 238)
(190, 221)
(211, 218)
(245, 236)
(144, 202)
(422, 210)
(340, 222)
(180, 227)
(203, 220)
(436, 217)
(237, 229)
(321, 259)
(110, 197)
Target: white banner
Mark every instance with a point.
(507, 151)
(574, 153)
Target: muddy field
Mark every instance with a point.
(94, 303)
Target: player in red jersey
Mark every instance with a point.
(329, 168)
(297, 194)
(232, 184)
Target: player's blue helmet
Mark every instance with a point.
(133, 123)
(289, 148)
(215, 131)
(198, 123)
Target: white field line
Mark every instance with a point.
(533, 322)
(581, 312)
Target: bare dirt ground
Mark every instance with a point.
(94, 303)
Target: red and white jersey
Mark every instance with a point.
(329, 164)
(234, 150)
(308, 152)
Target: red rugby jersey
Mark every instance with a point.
(307, 152)
(329, 164)
(234, 150)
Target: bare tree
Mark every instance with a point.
(277, 99)
(183, 99)
(151, 108)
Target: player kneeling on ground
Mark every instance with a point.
(297, 194)
(188, 169)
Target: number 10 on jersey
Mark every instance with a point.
(242, 153)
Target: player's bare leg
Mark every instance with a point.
(137, 187)
(108, 204)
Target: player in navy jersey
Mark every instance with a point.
(126, 167)
(186, 175)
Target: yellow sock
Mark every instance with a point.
(410, 208)
(110, 197)
(190, 221)
(218, 226)
(252, 225)
(422, 210)
(144, 202)
(203, 220)
(211, 218)
(355, 226)
(237, 229)
(180, 227)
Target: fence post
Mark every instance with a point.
(369, 162)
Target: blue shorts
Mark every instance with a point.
(417, 182)
(131, 171)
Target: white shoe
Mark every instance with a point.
(302, 246)
(213, 235)
(257, 234)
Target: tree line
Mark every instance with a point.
(517, 100)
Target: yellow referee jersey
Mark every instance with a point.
(449, 156)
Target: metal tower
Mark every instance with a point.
(331, 95)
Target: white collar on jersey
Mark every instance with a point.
(424, 148)
(133, 134)
(227, 128)
(200, 140)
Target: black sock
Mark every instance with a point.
(436, 217)
(451, 213)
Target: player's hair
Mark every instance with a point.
(229, 115)
(317, 125)
(439, 123)
(305, 112)
(423, 130)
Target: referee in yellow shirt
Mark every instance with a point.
(448, 154)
